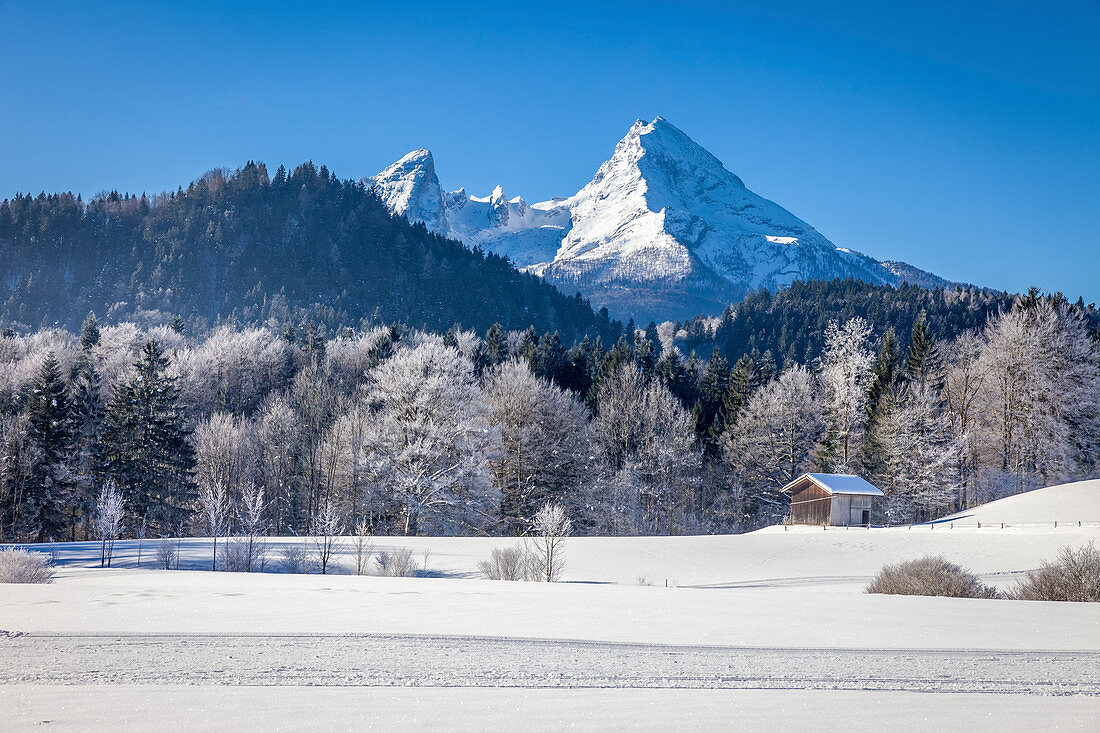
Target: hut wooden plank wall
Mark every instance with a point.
(811, 505)
(831, 499)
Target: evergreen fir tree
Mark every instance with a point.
(674, 373)
(629, 333)
(495, 345)
(148, 448)
(528, 349)
(886, 378)
(552, 358)
(51, 434)
(923, 365)
(89, 332)
(708, 410)
(621, 353)
(747, 375)
(89, 457)
(653, 338)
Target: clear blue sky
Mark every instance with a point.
(959, 137)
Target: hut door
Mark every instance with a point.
(866, 516)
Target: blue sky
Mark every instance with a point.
(959, 137)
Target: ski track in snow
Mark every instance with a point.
(385, 660)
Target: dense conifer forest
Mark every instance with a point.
(245, 247)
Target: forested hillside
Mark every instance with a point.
(248, 248)
(790, 324)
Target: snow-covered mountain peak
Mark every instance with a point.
(411, 188)
(662, 230)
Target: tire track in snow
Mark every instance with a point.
(469, 661)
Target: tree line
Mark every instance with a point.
(402, 431)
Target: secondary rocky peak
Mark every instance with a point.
(410, 188)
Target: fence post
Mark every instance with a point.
(979, 525)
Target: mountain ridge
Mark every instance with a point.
(663, 230)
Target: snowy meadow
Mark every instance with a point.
(704, 623)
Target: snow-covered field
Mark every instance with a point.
(762, 630)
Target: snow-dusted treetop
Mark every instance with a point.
(662, 223)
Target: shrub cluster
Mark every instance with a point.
(1074, 576)
(22, 566)
(397, 563)
(929, 576)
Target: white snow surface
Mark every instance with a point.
(661, 213)
(163, 707)
(774, 614)
(763, 577)
(1066, 503)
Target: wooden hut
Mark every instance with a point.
(835, 499)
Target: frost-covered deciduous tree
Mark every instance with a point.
(427, 448)
(963, 385)
(773, 439)
(233, 370)
(344, 460)
(277, 442)
(324, 532)
(845, 374)
(225, 454)
(648, 439)
(214, 504)
(350, 359)
(549, 529)
(1037, 416)
(545, 441)
(252, 524)
(314, 398)
(108, 521)
(921, 452)
(364, 545)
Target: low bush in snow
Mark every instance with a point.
(168, 554)
(929, 576)
(1074, 576)
(294, 558)
(398, 563)
(22, 566)
(505, 563)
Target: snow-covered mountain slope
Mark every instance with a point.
(662, 231)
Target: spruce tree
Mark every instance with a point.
(747, 375)
(653, 338)
(89, 457)
(495, 345)
(886, 379)
(51, 434)
(552, 359)
(708, 410)
(89, 332)
(674, 373)
(922, 365)
(148, 448)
